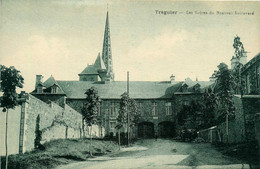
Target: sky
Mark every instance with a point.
(60, 38)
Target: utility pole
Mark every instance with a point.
(128, 129)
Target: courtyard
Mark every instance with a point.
(162, 153)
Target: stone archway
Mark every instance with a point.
(145, 130)
(166, 129)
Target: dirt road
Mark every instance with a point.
(161, 154)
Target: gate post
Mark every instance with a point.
(156, 128)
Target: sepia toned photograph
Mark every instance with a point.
(116, 84)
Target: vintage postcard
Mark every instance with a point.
(129, 84)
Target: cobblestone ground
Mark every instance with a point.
(161, 153)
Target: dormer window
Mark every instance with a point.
(39, 89)
(184, 88)
(54, 88)
(196, 88)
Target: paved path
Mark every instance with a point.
(161, 154)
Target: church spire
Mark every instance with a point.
(106, 52)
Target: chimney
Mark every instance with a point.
(243, 58)
(172, 79)
(107, 79)
(38, 80)
(234, 62)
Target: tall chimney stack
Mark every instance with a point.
(172, 79)
(38, 80)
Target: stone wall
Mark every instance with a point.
(257, 127)
(251, 106)
(236, 127)
(56, 122)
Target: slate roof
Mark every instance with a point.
(99, 63)
(251, 62)
(48, 84)
(114, 90)
(90, 69)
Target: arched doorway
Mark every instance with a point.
(145, 130)
(166, 129)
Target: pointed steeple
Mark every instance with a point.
(106, 52)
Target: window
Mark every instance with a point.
(112, 125)
(54, 89)
(184, 88)
(140, 106)
(112, 109)
(99, 109)
(154, 110)
(196, 88)
(39, 89)
(168, 108)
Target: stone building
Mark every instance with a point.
(251, 75)
(158, 102)
(251, 99)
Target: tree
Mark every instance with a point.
(128, 109)
(225, 94)
(89, 111)
(238, 82)
(122, 114)
(134, 114)
(209, 106)
(10, 79)
(190, 115)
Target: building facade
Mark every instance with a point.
(158, 102)
(251, 76)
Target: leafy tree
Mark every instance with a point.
(134, 113)
(190, 115)
(10, 79)
(237, 80)
(209, 107)
(225, 94)
(128, 107)
(122, 114)
(89, 111)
